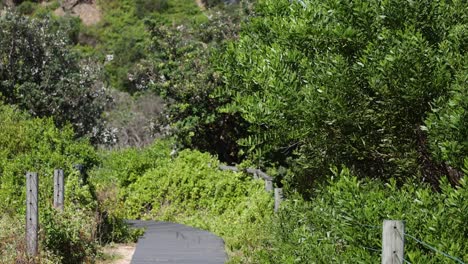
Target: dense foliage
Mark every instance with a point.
(37, 145)
(180, 69)
(187, 189)
(333, 82)
(71, 236)
(162, 48)
(40, 73)
(343, 222)
(340, 224)
(447, 125)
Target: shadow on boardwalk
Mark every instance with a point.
(165, 242)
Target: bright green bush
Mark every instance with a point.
(118, 169)
(188, 189)
(342, 222)
(343, 82)
(34, 144)
(28, 144)
(189, 182)
(124, 167)
(71, 234)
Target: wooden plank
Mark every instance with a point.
(393, 242)
(32, 213)
(166, 242)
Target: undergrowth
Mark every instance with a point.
(189, 189)
(71, 236)
(340, 223)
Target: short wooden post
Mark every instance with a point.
(393, 241)
(278, 198)
(59, 189)
(255, 175)
(268, 185)
(32, 213)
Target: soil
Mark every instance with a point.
(119, 254)
(89, 13)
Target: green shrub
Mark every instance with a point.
(188, 189)
(180, 69)
(342, 222)
(26, 7)
(124, 167)
(71, 234)
(41, 74)
(34, 144)
(339, 82)
(28, 144)
(447, 125)
(146, 7)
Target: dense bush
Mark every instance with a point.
(33, 144)
(28, 144)
(447, 125)
(333, 82)
(40, 73)
(342, 223)
(145, 7)
(180, 69)
(188, 189)
(124, 167)
(71, 234)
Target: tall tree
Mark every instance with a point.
(41, 74)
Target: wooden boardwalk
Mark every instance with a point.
(165, 242)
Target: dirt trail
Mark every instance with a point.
(120, 254)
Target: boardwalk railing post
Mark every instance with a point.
(393, 242)
(59, 189)
(268, 185)
(278, 198)
(32, 213)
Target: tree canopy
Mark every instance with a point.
(40, 73)
(349, 82)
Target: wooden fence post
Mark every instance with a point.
(393, 241)
(278, 198)
(32, 213)
(268, 185)
(59, 189)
